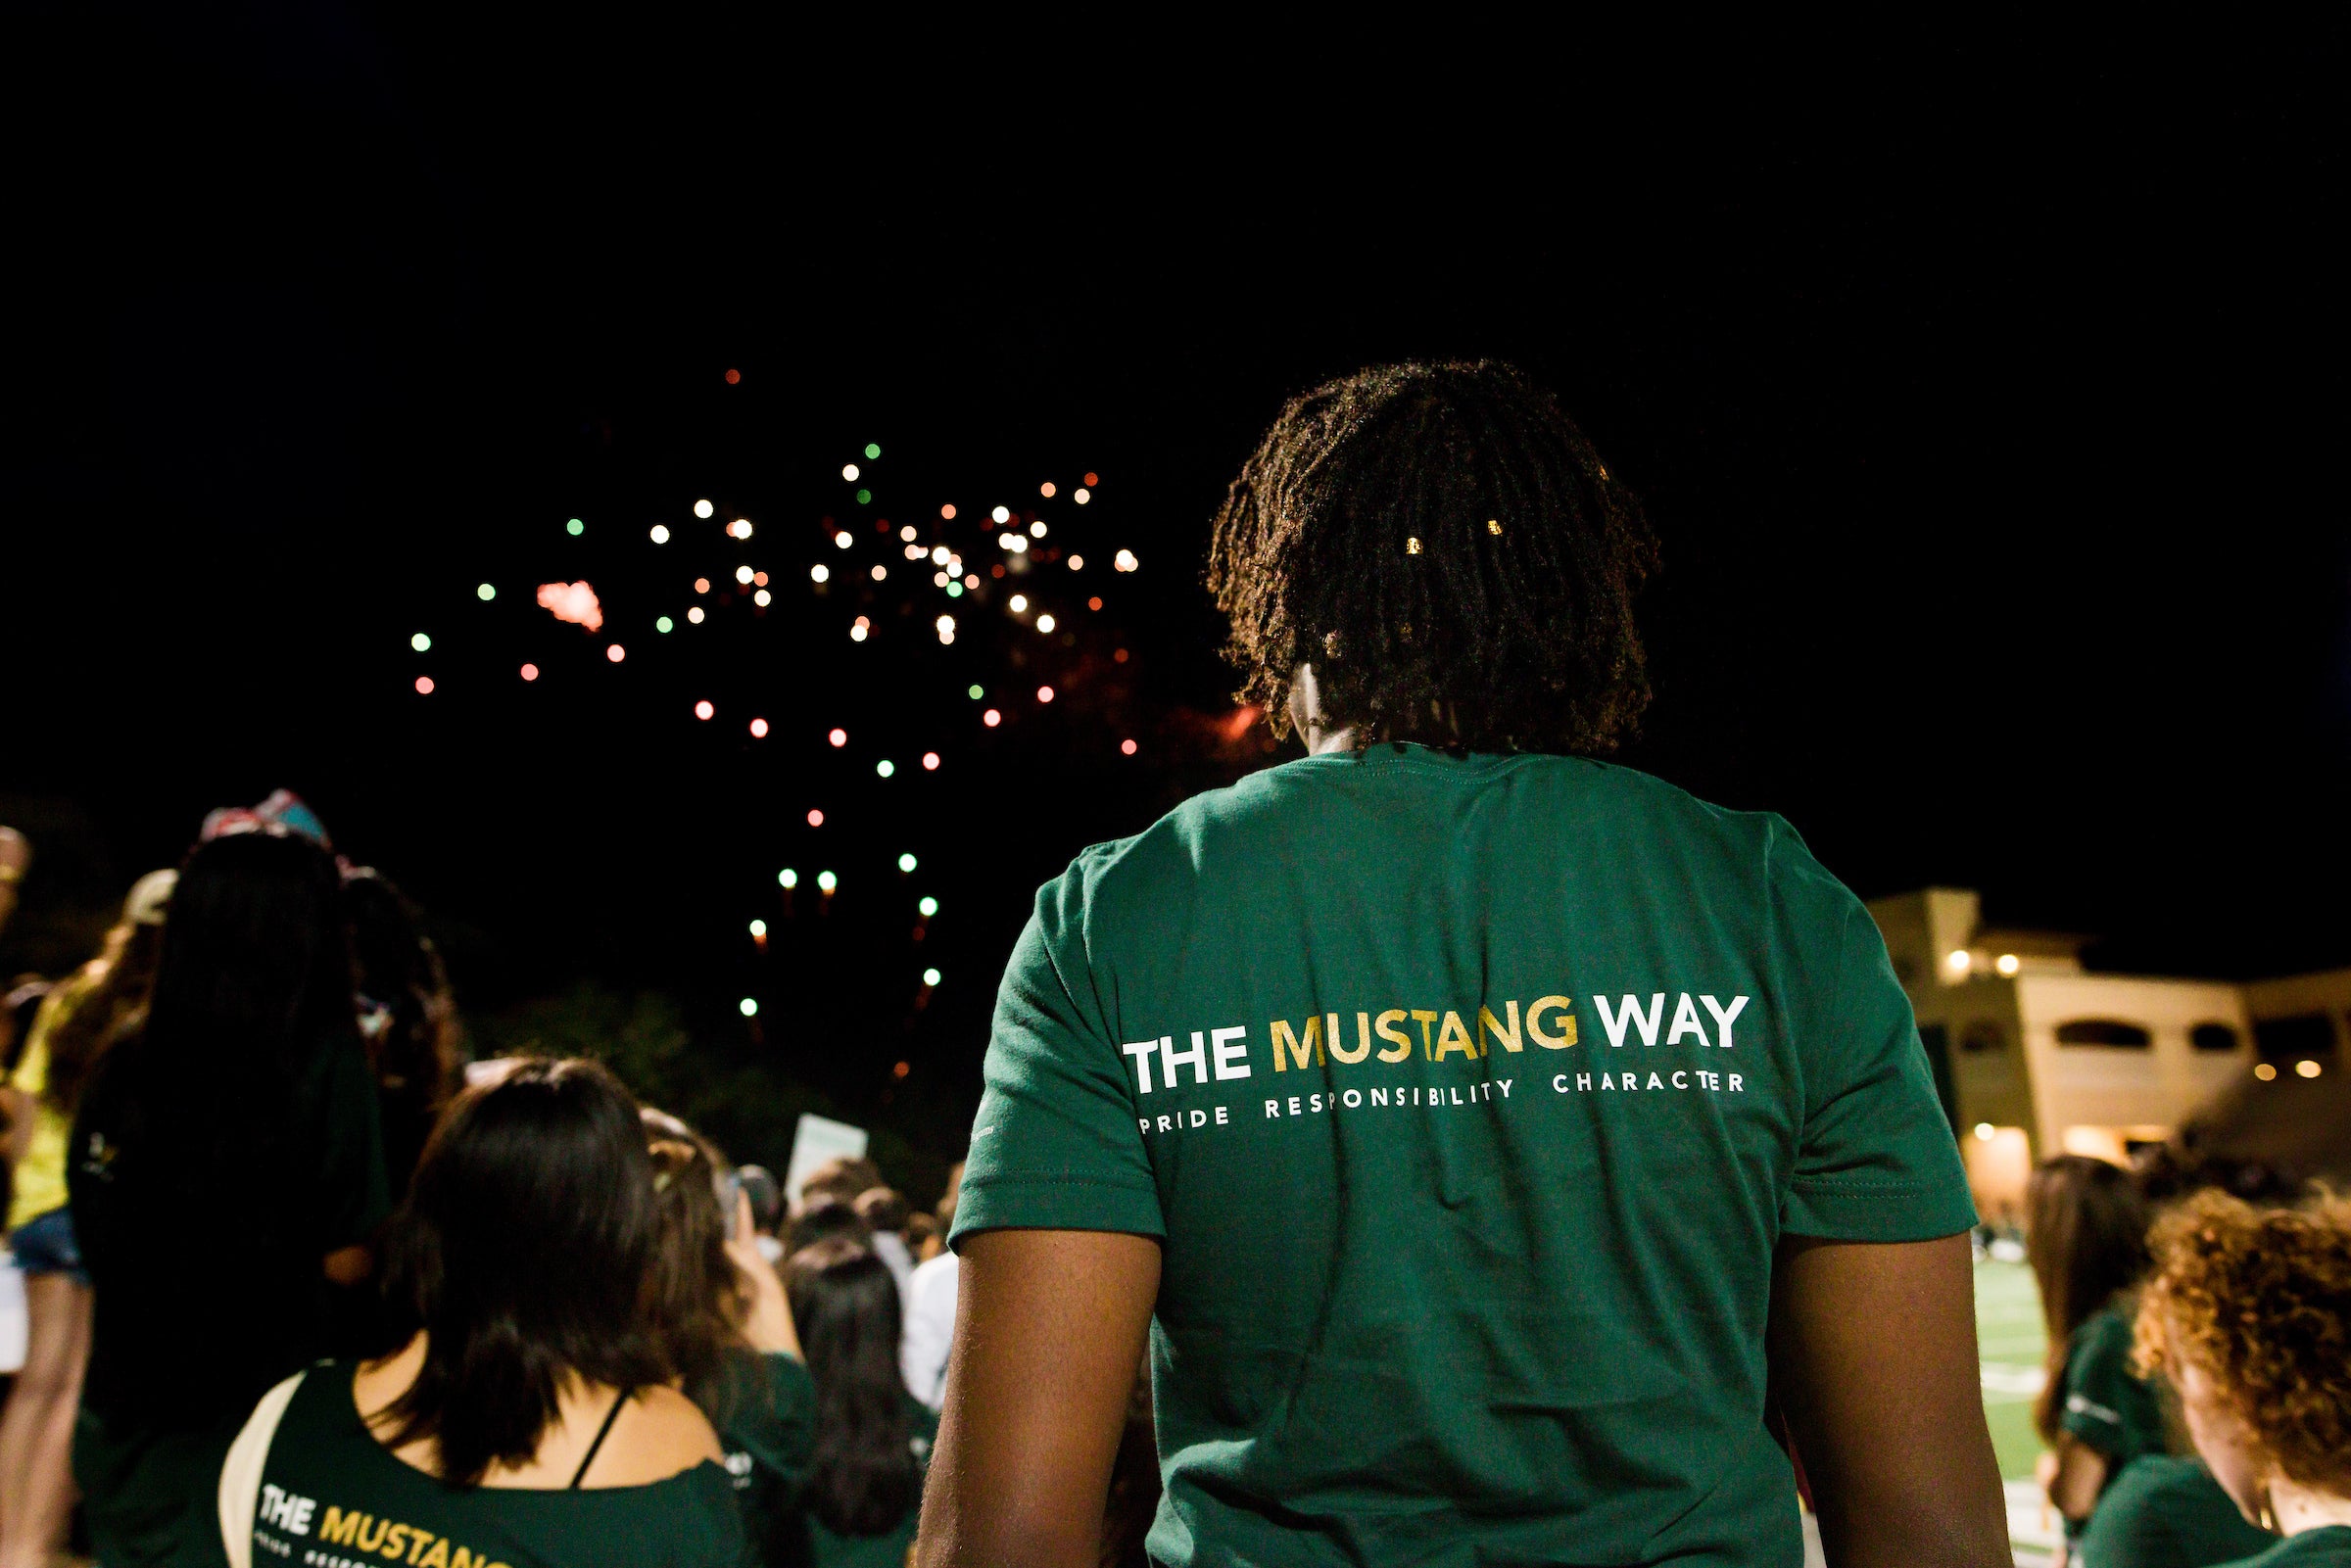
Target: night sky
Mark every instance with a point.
(1985, 392)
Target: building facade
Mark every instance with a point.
(2034, 1055)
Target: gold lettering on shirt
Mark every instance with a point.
(1296, 1049)
(1487, 1020)
(1425, 1018)
(414, 1545)
(1566, 1035)
(1385, 1027)
(1363, 1036)
(1454, 1035)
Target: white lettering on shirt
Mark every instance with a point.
(1647, 1023)
(1685, 1023)
(288, 1513)
(1170, 1058)
(1227, 1053)
(1723, 1019)
(1141, 1051)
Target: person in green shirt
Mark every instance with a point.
(226, 1168)
(2160, 1511)
(2248, 1313)
(726, 1329)
(862, 1496)
(2087, 1235)
(1474, 1131)
(529, 1422)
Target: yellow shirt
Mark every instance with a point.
(40, 1176)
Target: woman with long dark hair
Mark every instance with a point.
(530, 1419)
(873, 1440)
(225, 1167)
(723, 1321)
(2088, 1241)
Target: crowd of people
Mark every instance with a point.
(298, 1277)
(2198, 1397)
(293, 1267)
(295, 1295)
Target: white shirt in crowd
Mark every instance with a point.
(891, 1248)
(930, 1330)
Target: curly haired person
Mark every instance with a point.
(2248, 1313)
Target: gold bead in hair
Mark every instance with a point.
(1494, 525)
(1412, 547)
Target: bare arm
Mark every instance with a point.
(2073, 1475)
(1873, 1356)
(1049, 1326)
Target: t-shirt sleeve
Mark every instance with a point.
(1876, 1159)
(1055, 1144)
(2101, 1394)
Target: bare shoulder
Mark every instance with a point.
(661, 1434)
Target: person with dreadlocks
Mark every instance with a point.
(1475, 1130)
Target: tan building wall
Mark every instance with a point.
(1992, 1004)
(2084, 1092)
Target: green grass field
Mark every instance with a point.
(2010, 1342)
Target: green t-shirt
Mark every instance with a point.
(1470, 1097)
(2107, 1406)
(2165, 1513)
(768, 1429)
(2329, 1548)
(889, 1548)
(333, 1496)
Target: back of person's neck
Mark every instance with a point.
(2299, 1508)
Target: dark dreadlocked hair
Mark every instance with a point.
(1446, 549)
